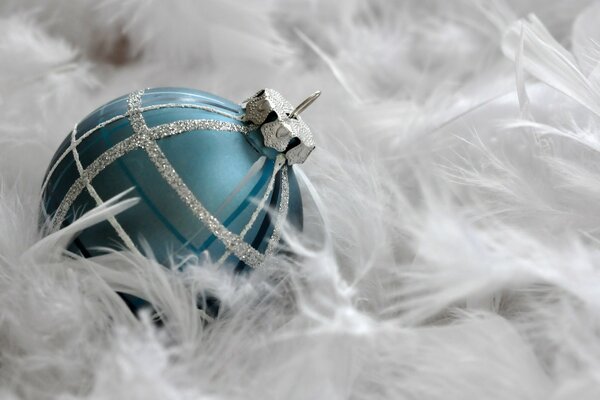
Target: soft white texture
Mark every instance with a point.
(457, 174)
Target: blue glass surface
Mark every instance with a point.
(211, 163)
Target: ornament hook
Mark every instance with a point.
(305, 104)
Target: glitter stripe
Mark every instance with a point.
(282, 213)
(232, 242)
(121, 116)
(177, 127)
(105, 159)
(278, 164)
(111, 219)
(77, 142)
(119, 150)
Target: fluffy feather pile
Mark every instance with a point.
(452, 249)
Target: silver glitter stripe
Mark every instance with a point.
(113, 154)
(121, 116)
(103, 161)
(177, 127)
(282, 212)
(232, 242)
(70, 148)
(261, 205)
(136, 119)
(111, 219)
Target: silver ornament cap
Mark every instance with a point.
(280, 124)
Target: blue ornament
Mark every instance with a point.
(211, 175)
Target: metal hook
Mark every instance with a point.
(305, 103)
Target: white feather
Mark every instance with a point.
(451, 240)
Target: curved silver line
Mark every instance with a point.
(92, 191)
(126, 115)
(261, 205)
(232, 242)
(281, 213)
(120, 149)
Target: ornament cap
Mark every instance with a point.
(280, 124)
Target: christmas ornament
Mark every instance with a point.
(211, 175)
